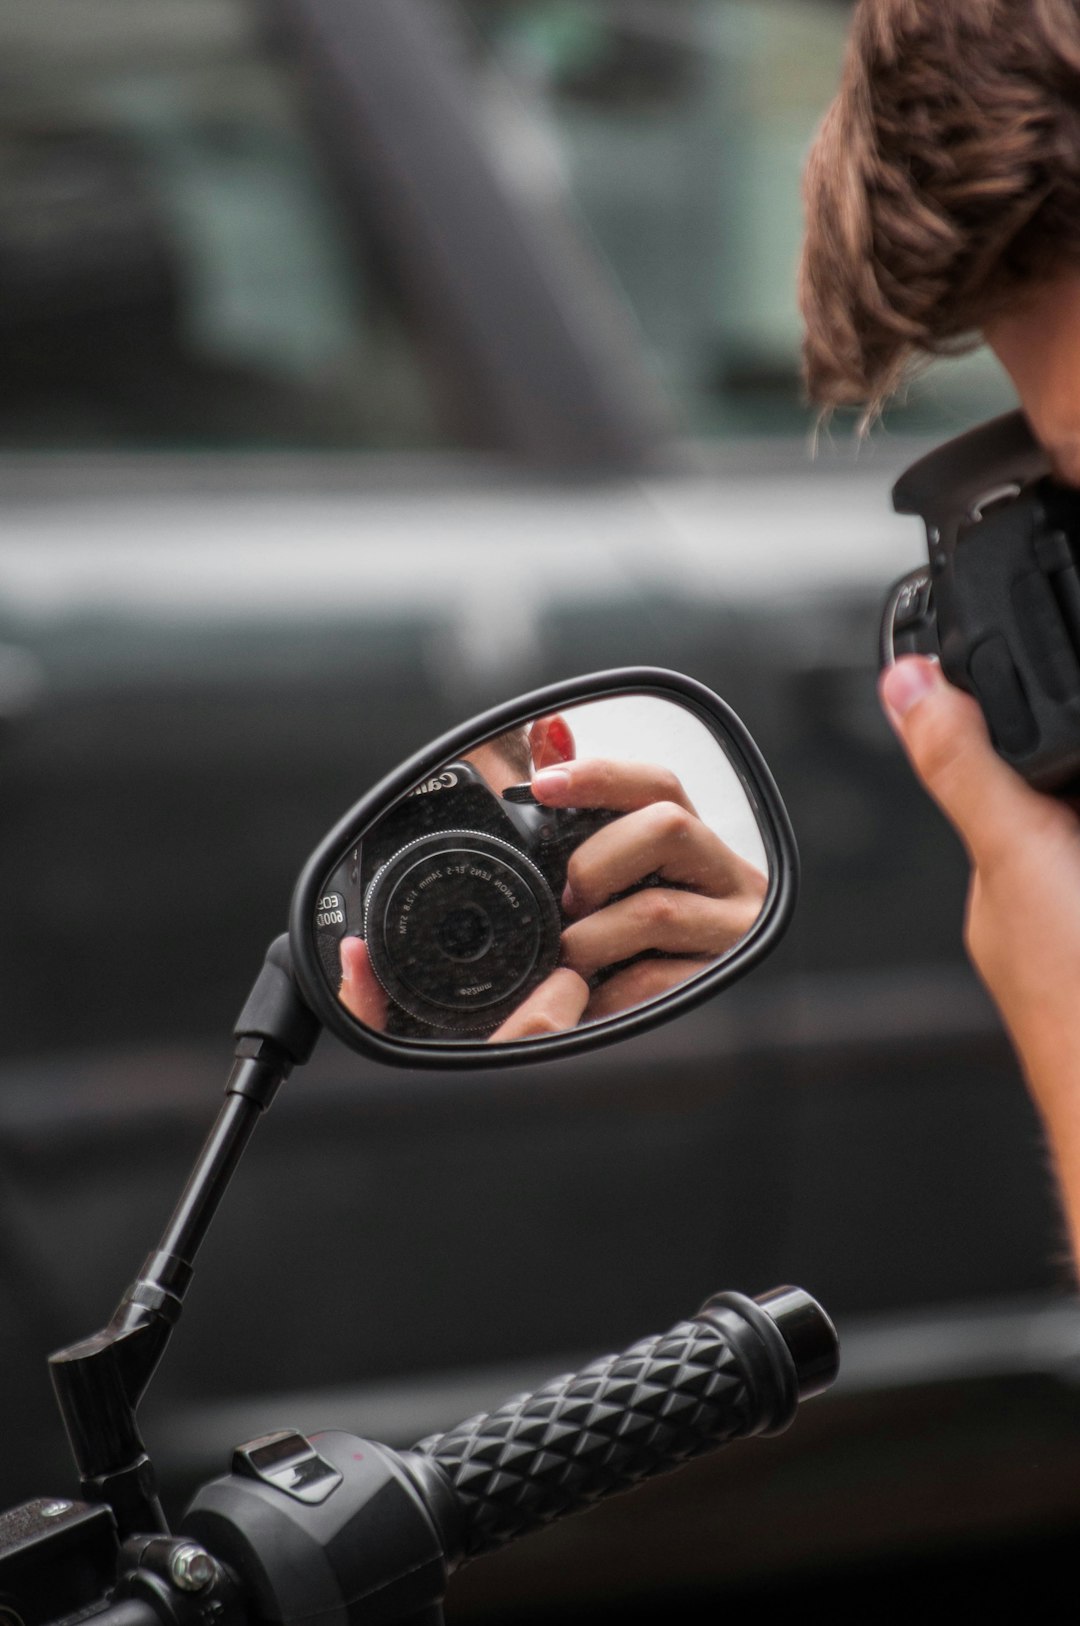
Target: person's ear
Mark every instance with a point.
(551, 741)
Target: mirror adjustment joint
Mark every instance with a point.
(287, 1462)
(274, 1009)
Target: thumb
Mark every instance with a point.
(943, 731)
(361, 992)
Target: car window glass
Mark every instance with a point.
(677, 130)
(176, 268)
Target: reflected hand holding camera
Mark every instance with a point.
(652, 895)
(523, 890)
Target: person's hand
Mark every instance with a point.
(712, 899)
(689, 897)
(1022, 927)
(361, 992)
(558, 1004)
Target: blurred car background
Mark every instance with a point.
(367, 362)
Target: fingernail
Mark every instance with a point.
(551, 782)
(569, 902)
(908, 682)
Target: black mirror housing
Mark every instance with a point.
(312, 903)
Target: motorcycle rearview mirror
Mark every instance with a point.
(569, 868)
(575, 865)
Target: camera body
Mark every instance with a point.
(999, 600)
(456, 892)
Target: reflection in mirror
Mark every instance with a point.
(574, 868)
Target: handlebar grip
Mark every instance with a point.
(739, 1367)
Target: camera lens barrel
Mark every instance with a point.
(460, 927)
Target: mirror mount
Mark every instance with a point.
(276, 1018)
(100, 1381)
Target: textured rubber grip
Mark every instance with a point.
(724, 1374)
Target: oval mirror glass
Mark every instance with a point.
(574, 868)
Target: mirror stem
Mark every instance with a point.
(100, 1381)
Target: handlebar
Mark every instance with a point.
(308, 1526)
(739, 1367)
(128, 1612)
(317, 1528)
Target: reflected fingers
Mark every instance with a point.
(638, 984)
(361, 992)
(663, 839)
(622, 787)
(655, 918)
(558, 1004)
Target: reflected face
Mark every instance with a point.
(530, 887)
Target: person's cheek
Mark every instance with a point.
(1038, 345)
(1051, 402)
(1065, 461)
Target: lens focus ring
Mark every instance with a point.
(460, 927)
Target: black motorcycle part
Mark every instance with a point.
(739, 1367)
(179, 1581)
(339, 1528)
(275, 1010)
(55, 1556)
(331, 1528)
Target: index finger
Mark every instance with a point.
(621, 786)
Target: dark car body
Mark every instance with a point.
(206, 656)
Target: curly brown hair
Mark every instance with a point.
(944, 180)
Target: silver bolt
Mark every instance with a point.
(191, 1568)
(53, 1510)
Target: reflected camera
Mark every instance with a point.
(456, 893)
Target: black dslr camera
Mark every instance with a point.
(456, 893)
(999, 601)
